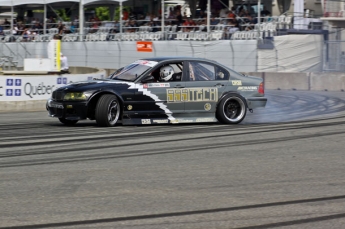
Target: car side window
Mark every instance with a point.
(199, 71)
(178, 69)
(222, 74)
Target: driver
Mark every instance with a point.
(166, 73)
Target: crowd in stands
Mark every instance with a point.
(236, 19)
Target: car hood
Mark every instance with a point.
(95, 84)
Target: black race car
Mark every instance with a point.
(160, 90)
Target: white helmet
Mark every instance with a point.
(166, 73)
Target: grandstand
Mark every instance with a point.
(241, 26)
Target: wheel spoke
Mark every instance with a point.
(112, 113)
(232, 109)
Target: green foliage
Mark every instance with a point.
(117, 12)
(103, 13)
(62, 14)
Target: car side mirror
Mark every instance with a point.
(148, 79)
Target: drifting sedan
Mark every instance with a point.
(159, 91)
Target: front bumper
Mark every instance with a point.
(68, 110)
(254, 102)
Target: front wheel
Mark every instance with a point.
(232, 109)
(107, 111)
(68, 122)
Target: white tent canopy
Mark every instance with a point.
(12, 3)
(24, 2)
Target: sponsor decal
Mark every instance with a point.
(17, 92)
(181, 121)
(11, 85)
(204, 120)
(54, 49)
(236, 82)
(9, 92)
(160, 121)
(248, 88)
(207, 107)
(146, 121)
(9, 82)
(62, 80)
(129, 107)
(192, 95)
(146, 63)
(144, 46)
(151, 85)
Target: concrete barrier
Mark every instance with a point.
(21, 92)
(19, 106)
(286, 81)
(327, 81)
(283, 81)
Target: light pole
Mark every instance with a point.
(162, 25)
(208, 16)
(259, 19)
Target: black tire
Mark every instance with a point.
(68, 122)
(107, 111)
(232, 109)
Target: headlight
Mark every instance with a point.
(76, 96)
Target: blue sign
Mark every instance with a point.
(64, 80)
(59, 80)
(17, 92)
(18, 82)
(9, 82)
(9, 92)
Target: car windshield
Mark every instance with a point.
(133, 71)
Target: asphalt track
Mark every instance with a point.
(283, 167)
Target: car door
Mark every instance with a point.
(167, 97)
(206, 84)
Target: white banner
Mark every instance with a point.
(23, 88)
(54, 50)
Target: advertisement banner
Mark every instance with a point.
(23, 88)
(54, 50)
(144, 46)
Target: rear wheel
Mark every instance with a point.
(68, 122)
(107, 111)
(232, 109)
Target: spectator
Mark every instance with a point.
(1, 30)
(64, 64)
(6, 24)
(223, 13)
(94, 26)
(147, 17)
(37, 27)
(125, 14)
(179, 18)
(116, 28)
(171, 14)
(134, 25)
(153, 25)
(265, 12)
(26, 34)
(76, 22)
(202, 14)
(231, 14)
(60, 27)
(214, 21)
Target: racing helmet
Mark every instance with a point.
(166, 73)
